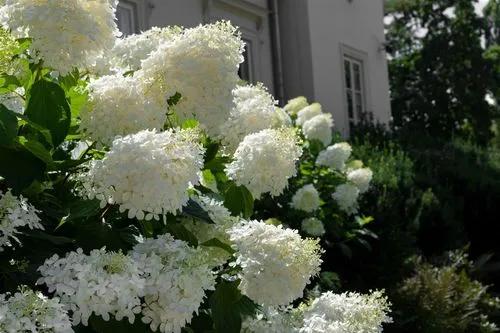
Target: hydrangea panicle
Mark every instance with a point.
(254, 110)
(335, 156)
(117, 107)
(313, 226)
(361, 178)
(29, 311)
(15, 213)
(346, 196)
(319, 128)
(276, 263)
(306, 199)
(308, 112)
(201, 64)
(65, 33)
(146, 173)
(264, 161)
(102, 283)
(177, 277)
(295, 105)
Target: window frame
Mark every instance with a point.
(359, 58)
(141, 12)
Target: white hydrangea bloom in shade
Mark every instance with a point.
(27, 311)
(276, 263)
(361, 178)
(201, 64)
(102, 283)
(347, 313)
(346, 196)
(313, 226)
(117, 107)
(319, 128)
(207, 231)
(335, 156)
(128, 52)
(15, 213)
(147, 173)
(295, 105)
(308, 112)
(64, 33)
(282, 119)
(264, 161)
(306, 199)
(177, 277)
(254, 110)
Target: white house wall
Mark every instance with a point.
(352, 26)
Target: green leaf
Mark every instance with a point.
(208, 180)
(214, 242)
(239, 200)
(229, 307)
(179, 231)
(47, 106)
(37, 149)
(193, 209)
(56, 240)
(8, 83)
(20, 168)
(80, 210)
(190, 123)
(8, 126)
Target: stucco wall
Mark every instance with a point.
(356, 24)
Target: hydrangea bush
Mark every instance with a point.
(132, 172)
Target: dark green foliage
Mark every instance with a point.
(439, 81)
(444, 298)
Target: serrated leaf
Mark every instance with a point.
(229, 307)
(179, 231)
(214, 242)
(20, 168)
(8, 126)
(239, 200)
(47, 106)
(193, 209)
(37, 149)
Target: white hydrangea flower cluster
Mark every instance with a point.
(254, 110)
(146, 173)
(335, 156)
(346, 196)
(347, 313)
(129, 52)
(177, 277)
(264, 161)
(201, 64)
(308, 112)
(295, 105)
(101, 283)
(319, 128)
(361, 178)
(15, 213)
(117, 107)
(276, 263)
(306, 199)
(27, 311)
(65, 33)
(204, 231)
(313, 226)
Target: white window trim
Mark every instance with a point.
(361, 57)
(255, 37)
(143, 12)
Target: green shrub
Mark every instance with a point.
(444, 299)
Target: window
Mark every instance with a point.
(245, 71)
(354, 90)
(126, 16)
